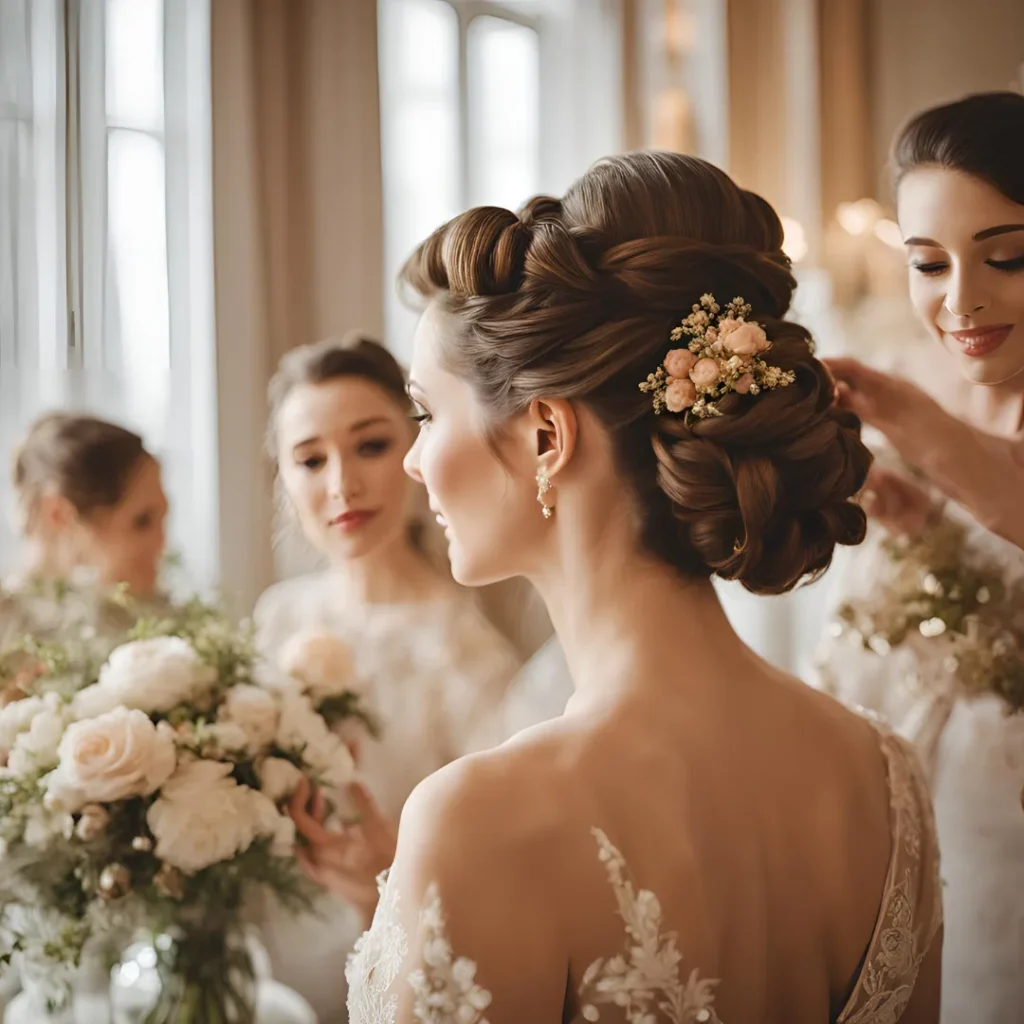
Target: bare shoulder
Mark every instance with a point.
(473, 843)
(497, 807)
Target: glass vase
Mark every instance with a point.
(186, 975)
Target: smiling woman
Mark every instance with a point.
(427, 662)
(943, 679)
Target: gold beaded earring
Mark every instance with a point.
(543, 486)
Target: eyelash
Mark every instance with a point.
(1004, 266)
(372, 449)
(421, 419)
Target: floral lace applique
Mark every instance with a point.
(375, 963)
(445, 986)
(643, 981)
(912, 905)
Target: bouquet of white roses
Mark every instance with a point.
(154, 795)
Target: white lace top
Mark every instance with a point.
(435, 674)
(646, 982)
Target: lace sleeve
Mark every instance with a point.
(443, 987)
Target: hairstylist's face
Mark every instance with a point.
(965, 243)
(340, 450)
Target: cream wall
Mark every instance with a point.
(923, 52)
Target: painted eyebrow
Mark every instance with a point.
(999, 229)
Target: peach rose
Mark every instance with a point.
(680, 395)
(679, 362)
(705, 372)
(742, 338)
(743, 383)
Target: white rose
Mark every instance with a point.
(35, 750)
(228, 737)
(255, 711)
(271, 823)
(203, 816)
(278, 778)
(156, 674)
(305, 733)
(112, 757)
(94, 701)
(321, 662)
(340, 769)
(43, 825)
(17, 716)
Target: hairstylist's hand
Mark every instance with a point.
(899, 505)
(981, 471)
(345, 861)
(911, 419)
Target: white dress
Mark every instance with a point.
(648, 980)
(973, 751)
(435, 674)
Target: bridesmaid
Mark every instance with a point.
(91, 505)
(430, 665)
(960, 188)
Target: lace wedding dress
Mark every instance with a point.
(435, 674)
(646, 982)
(931, 690)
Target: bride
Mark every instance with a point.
(700, 837)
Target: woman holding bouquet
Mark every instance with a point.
(936, 602)
(425, 661)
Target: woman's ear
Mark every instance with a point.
(54, 513)
(555, 427)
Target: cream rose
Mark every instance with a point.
(304, 732)
(679, 362)
(705, 372)
(254, 711)
(321, 662)
(151, 675)
(112, 757)
(680, 395)
(742, 338)
(203, 816)
(278, 778)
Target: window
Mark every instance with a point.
(105, 234)
(460, 122)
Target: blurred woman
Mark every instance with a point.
(938, 595)
(92, 509)
(430, 666)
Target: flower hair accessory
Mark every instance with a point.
(722, 356)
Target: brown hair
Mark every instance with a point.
(981, 135)
(576, 298)
(88, 461)
(350, 356)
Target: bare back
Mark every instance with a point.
(759, 812)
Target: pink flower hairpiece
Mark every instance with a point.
(722, 356)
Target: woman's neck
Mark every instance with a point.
(642, 625)
(395, 573)
(997, 409)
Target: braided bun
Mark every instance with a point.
(577, 298)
